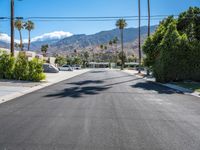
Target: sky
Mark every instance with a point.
(85, 8)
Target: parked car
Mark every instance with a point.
(76, 67)
(66, 68)
(49, 68)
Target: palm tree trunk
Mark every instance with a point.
(139, 43)
(149, 24)
(149, 17)
(12, 28)
(122, 44)
(21, 46)
(29, 40)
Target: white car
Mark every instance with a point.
(66, 68)
(77, 67)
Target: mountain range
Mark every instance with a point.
(83, 41)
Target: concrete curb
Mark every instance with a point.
(12, 96)
(172, 86)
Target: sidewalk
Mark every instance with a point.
(10, 89)
(169, 85)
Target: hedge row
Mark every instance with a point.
(20, 68)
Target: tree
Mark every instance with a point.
(189, 23)
(20, 25)
(86, 56)
(122, 57)
(77, 60)
(44, 49)
(172, 63)
(115, 41)
(101, 46)
(121, 24)
(29, 26)
(110, 43)
(151, 46)
(60, 60)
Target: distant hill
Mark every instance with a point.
(83, 41)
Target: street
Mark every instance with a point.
(101, 110)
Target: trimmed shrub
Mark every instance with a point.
(21, 71)
(36, 70)
(6, 66)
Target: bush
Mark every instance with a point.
(36, 70)
(21, 71)
(20, 68)
(6, 66)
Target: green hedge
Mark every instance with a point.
(173, 51)
(20, 68)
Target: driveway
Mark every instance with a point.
(101, 110)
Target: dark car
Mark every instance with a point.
(49, 68)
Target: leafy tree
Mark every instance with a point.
(44, 49)
(29, 26)
(151, 46)
(172, 62)
(173, 51)
(121, 24)
(60, 60)
(189, 23)
(20, 25)
(77, 60)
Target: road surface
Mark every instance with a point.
(101, 110)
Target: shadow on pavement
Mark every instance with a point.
(87, 82)
(76, 92)
(99, 71)
(150, 86)
(122, 82)
(119, 77)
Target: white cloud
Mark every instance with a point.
(52, 36)
(43, 37)
(6, 38)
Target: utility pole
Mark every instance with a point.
(12, 26)
(149, 24)
(139, 40)
(149, 18)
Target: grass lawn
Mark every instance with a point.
(195, 86)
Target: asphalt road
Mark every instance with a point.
(101, 110)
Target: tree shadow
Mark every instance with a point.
(118, 77)
(99, 71)
(76, 92)
(122, 82)
(151, 86)
(87, 82)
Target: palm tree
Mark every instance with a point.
(149, 17)
(20, 25)
(110, 43)
(101, 46)
(29, 26)
(121, 24)
(44, 49)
